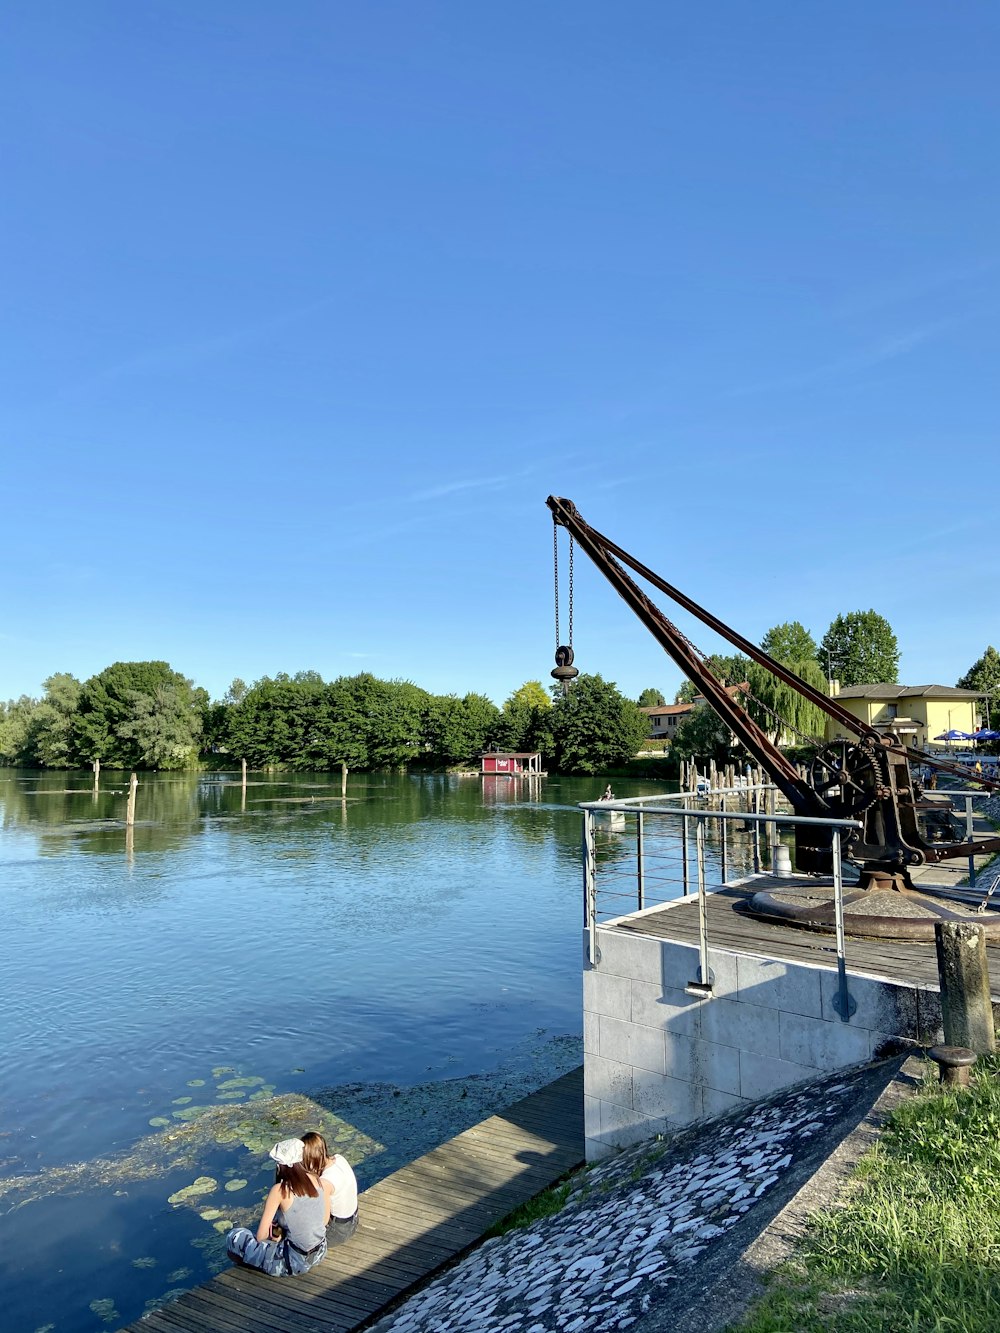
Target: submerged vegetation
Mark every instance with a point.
(916, 1248)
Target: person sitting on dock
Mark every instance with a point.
(291, 1236)
(337, 1177)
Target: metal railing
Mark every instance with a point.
(643, 852)
(640, 852)
(968, 797)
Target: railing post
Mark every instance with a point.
(704, 975)
(842, 1002)
(685, 866)
(640, 862)
(755, 834)
(968, 838)
(724, 841)
(590, 885)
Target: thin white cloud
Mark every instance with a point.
(193, 352)
(879, 353)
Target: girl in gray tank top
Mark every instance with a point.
(291, 1235)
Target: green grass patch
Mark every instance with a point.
(916, 1246)
(546, 1204)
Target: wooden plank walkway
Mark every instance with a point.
(909, 962)
(411, 1224)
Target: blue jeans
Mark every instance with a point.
(277, 1258)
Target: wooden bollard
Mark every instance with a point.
(133, 782)
(964, 977)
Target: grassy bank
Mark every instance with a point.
(916, 1247)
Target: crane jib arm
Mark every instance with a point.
(800, 794)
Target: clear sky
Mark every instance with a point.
(307, 307)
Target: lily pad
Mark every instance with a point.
(235, 1185)
(203, 1185)
(147, 1261)
(196, 1082)
(190, 1112)
(179, 1274)
(223, 1226)
(158, 1121)
(105, 1310)
(231, 1096)
(222, 1069)
(181, 1101)
(232, 1083)
(210, 1214)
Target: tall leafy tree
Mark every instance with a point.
(524, 720)
(984, 675)
(594, 727)
(457, 730)
(777, 707)
(132, 709)
(861, 649)
(790, 642)
(702, 735)
(17, 720)
(53, 723)
(651, 698)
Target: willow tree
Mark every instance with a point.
(778, 708)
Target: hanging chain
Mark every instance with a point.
(555, 571)
(571, 546)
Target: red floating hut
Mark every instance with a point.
(511, 764)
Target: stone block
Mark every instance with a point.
(703, 1062)
(625, 954)
(880, 1004)
(821, 1045)
(591, 1033)
(670, 1099)
(760, 1075)
(750, 1027)
(645, 1044)
(725, 977)
(608, 1080)
(604, 994)
(665, 1008)
(591, 1117)
(780, 985)
(718, 1103)
(621, 1128)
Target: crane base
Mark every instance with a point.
(880, 912)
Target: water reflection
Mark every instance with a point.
(415, 934)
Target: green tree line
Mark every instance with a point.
(145, 715)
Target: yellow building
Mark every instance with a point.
(917, 713)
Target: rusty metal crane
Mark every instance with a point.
(867, 779)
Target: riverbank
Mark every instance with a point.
(644, 1237)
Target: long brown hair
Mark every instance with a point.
(296, 1179)
(314, 1152)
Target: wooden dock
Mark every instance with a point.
(413, 1223)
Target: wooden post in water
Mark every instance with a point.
(343, 781)
(97, 775)
(964, 976)
(243, 787)
(133, 782)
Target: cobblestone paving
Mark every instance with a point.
(633, 1225)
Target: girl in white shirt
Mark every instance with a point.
(338, 1182)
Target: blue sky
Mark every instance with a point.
(308, 307)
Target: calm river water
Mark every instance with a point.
(248, 965)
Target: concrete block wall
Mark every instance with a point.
(657, 1058)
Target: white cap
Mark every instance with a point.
(288, 1152)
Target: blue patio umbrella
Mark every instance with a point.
(954, 736)
(986, 735)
